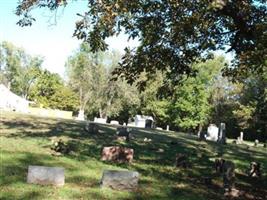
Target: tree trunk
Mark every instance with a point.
(199, 130)
(100, 113)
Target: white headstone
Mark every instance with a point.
(46, 175)
(241, 136)
(222, 136)
(168, 128)
(100, 120)
(212, 133)
(120, 180)
(113, 122)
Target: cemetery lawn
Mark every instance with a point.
(26, 140)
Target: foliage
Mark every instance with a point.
(244, 115)
(254, 94)
(185, 106)
(50, 92)
(173, 34)
(18, 69)
(87, 76)
(26, 140)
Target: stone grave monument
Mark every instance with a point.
(46, 175)
(120, 180)
(212, 133)
(222, 134)
(117, 154)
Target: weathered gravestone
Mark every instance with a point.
(222, 136)
(256, 143)
(92, 128)
(255, 169)
(212, 133)
(241, 136)
(167, 128)
(202, 136)
(227, 169)
(46, 175)
(100, 120)
(124, 132)
(114, 122)
(117, 154)
(120, 180)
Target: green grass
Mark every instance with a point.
(25, 140)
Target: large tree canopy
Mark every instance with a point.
(172, 33)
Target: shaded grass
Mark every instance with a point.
(25, 140)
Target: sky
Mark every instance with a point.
(54, 42)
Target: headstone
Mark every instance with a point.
(202, 136)
(168, 128)
(241, 136)
(81, 115)
(92, 128)
(233, 193)
(100, 120)
(46, 175)
(227, 169)
(160, 150)
(148, 123)
(255, 169)
(147, 140)
(120, 180)
(113, 122)
(256, 143)
(222, 137)
(124, 131)
(212, 133)
(117, 154)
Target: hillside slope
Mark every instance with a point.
(26, 140)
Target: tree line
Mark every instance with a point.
(90, 90)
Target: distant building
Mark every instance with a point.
(143, 121)
(11, 101)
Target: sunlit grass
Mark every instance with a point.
(26, 140)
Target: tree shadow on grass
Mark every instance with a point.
(148, 160)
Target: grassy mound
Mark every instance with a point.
(26, 140)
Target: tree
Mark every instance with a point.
(253, 103)
(173, 34)
(18, 69)
(86, 75)
(190, 105)
(154, 100)
(50, 92)
(244, 115)
(120, 99)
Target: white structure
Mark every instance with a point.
(212, 133)
(143, 121)
(100, 120)
(11, 101)
(114, 122)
